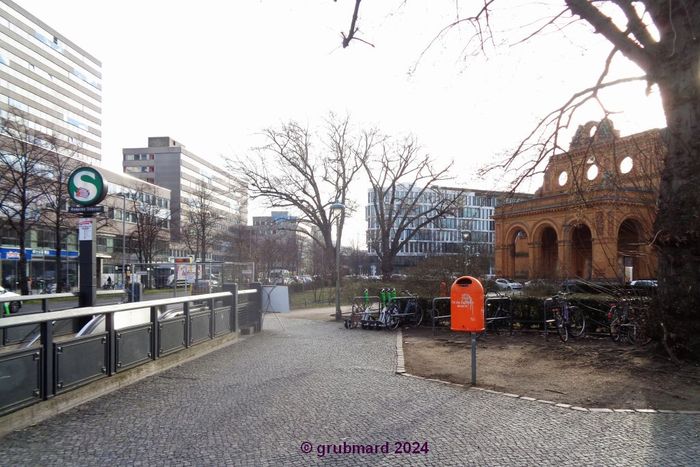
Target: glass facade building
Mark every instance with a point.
(471, 227)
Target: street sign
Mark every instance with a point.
(85, 229)
(86, 186)
(86, 209)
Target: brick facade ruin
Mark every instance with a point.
(593, 216)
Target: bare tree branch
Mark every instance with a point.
(605, 26)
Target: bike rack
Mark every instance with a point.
(499, 318)
(434, 319)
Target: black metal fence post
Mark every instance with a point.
(234, 309)
(154, 333)
(212, 319)
(111, 343)
(48, 379)
(186, 310)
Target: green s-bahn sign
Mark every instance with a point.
(86, 186)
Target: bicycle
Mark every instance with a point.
(569, 319)
(403, 309)
(628, 323)
(497, 311)
(362, 312)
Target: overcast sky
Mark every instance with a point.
(212, 74)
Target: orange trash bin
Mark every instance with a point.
(467, 305)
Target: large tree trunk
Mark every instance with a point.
(387, 266)
(678, 221)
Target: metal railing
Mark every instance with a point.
(494, 312)
(145, 331)
(436, 318)
(46, 298)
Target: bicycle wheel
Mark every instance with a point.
(577, 322)
(392, 321)
(561, 327)
(418, 315)
(615, 329)
(641, 327)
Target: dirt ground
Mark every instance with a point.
(587, 372)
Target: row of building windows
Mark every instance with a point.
(39, 33)
(46, 106)
(66, 145)
(150, 198)
(139, 169)
(78, 133)
(139, 157)
(35, 80)
(131, 217)
(63, 74)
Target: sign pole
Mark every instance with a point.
(473, 358)
(88, 251)
(87, 188)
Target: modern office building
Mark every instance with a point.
(166, 162)
(470, 231)
(50, 82)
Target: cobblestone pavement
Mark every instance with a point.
(256, 402)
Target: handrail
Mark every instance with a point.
(45, 296)
(108, 292)
(35, 318)
(51, 296)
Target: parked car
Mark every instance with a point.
(589, 287)
(9, 307)
(507, 284)
(306, 279)
(645, 286)
(644, 283)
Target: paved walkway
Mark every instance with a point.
(312, 381)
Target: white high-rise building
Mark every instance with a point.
(50, 82)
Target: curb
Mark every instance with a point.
(401, 370)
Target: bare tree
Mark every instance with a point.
(661, 38)
(150, 233)
(290, 172)
(55, 214)
(405, 198)
(202, 228)
(24, 153)
(240, 238)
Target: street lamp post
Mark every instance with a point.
(123, 239)
(339, 207)
(467, 238)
